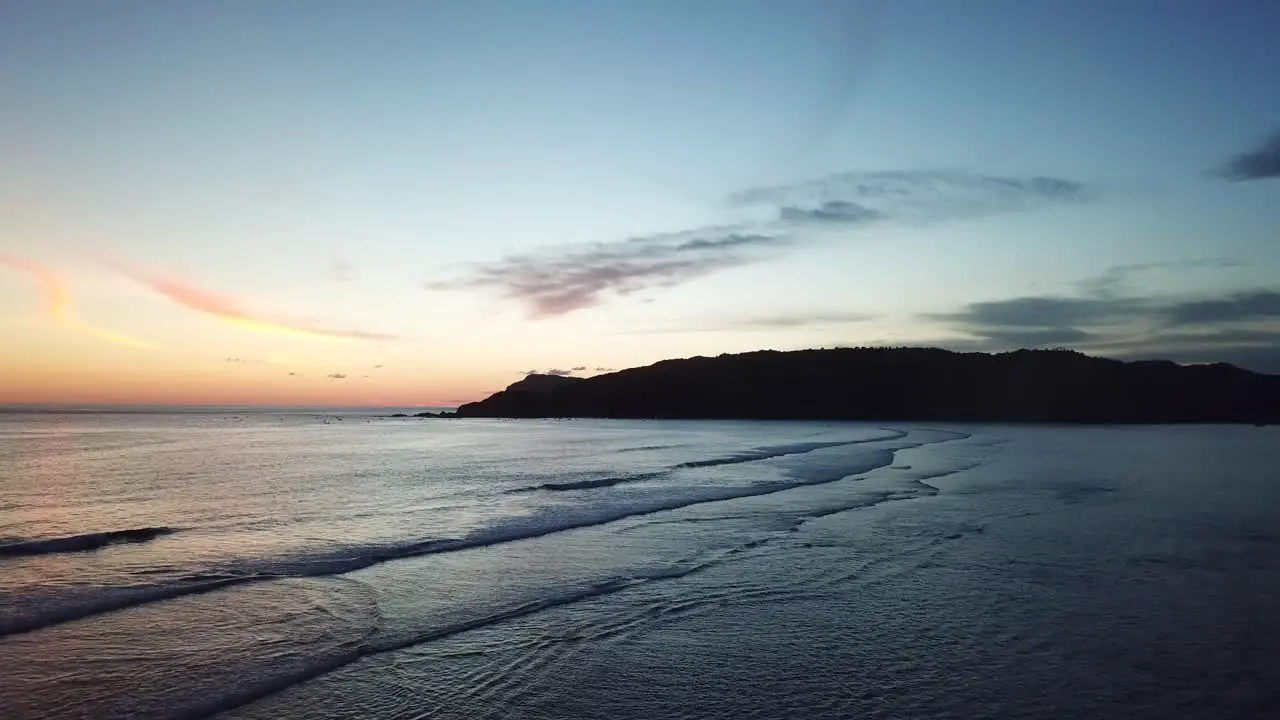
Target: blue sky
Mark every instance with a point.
(464, 190)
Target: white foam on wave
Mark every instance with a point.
(619, 507)
(609, 505)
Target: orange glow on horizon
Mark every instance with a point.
(199, 363)
(45, 373)
(70, 389)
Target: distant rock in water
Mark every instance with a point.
(912, 384)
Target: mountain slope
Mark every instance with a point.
(902, 384)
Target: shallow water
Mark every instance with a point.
(304, 566)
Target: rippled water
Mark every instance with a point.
(267, 565)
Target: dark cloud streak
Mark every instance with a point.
(1239, 307)
(1261, 163)
(1042, 312)
(562, 280)
(831, 211)
(909, 196)
(558, 372)
(1242, 328)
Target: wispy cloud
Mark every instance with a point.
(783, 321)
(551, 371)
(342, 271)
(231, 312)
(337, 376)
(561, 372)
(795, 320)
(561, 280)
(830, 211)
(1242, 327)
(59, 305)
(1116, 278)
(1260, 163)
(1238, 307)
(1105, 301)
(269, 360)
(1256, 348)
(911, 196)
(1044, 313)
(1125, 333)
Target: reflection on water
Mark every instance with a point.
(402, 568)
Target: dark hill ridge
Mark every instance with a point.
(917, 384)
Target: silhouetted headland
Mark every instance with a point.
(916, 384)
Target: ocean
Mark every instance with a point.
(257, 564)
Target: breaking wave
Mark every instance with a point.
(603, 508)
(82, 543)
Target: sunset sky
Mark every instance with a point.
(413, 203)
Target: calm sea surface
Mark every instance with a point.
(263, 565)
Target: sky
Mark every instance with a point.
(323, 202)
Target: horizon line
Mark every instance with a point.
(21, 407)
